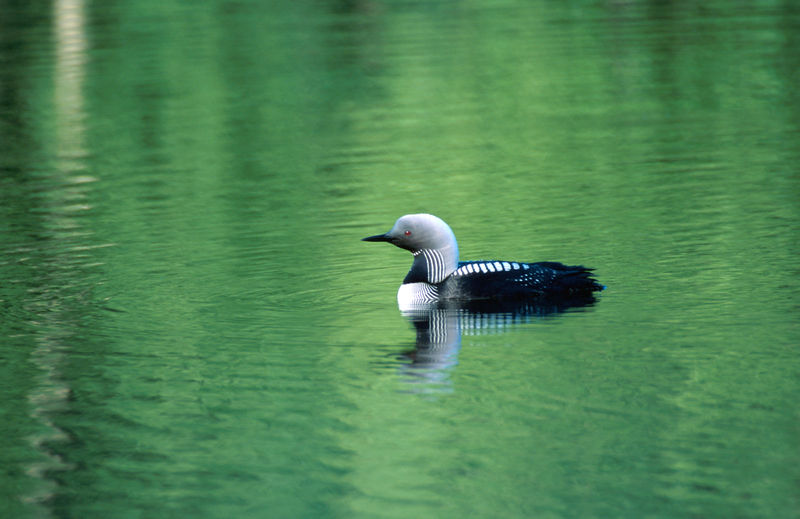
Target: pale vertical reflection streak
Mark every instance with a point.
(51, 393)
(70, 69)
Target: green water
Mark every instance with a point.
(191, 327)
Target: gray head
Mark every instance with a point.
(427, 237)
(416, 232)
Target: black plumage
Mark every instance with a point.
(515, 280)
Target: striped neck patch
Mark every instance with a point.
(436, 267)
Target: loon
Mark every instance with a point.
(437, 276)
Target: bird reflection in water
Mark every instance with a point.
(439, 327)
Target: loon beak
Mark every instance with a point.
(377, 237)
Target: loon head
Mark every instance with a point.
(430, 240)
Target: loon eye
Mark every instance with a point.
(407, 233)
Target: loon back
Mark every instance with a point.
(437, 275)
(509, 280)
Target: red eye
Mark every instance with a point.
(407, 233)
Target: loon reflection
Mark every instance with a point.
(439, 327)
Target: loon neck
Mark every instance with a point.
(433, 265)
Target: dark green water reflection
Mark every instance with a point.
(191, 327)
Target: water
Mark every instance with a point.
(191, 327)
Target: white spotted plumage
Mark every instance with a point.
(488, 267)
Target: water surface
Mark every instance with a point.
(191, 327)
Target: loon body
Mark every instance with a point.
(436, 275)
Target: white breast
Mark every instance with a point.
(410, 295)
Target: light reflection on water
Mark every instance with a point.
(50, 395)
